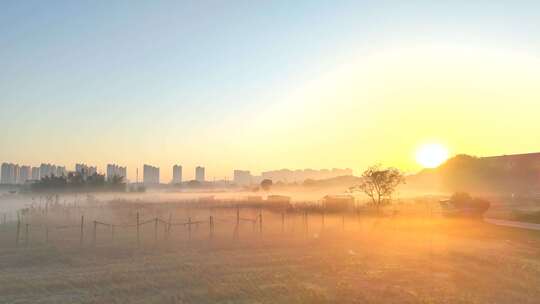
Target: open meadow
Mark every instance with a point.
(412, 255)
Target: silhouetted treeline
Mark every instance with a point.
(474, 174)
(77, 182)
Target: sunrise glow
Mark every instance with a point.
(431, 155)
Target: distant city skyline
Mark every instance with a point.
(18, 173)
(13, 173)
(154, 174)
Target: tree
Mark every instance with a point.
(116, 180)
(379, 184)
(266, 184)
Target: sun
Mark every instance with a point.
(431, 155)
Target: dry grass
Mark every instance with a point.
(409, 259)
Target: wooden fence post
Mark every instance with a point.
(169, 225)
(26, 235)
(95, 233)
(138, 232)
(155, 229)
(189, 228)
(82, 230)
(18, 231)
(211, 221)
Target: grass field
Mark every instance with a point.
(420, 259)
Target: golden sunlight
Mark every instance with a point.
(431, 155)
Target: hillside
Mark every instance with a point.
(474, 174)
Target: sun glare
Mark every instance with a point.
(431, 155)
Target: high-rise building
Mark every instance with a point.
(16, 173)
(8, 173)
(242, 177)
(150, 175)
(199, 174)
(92, 170)
(48, 170)
(61, 171)
(123, 172)
(45, 170)
(85, 170)
(11, 174)
(177, 174)
(35, 173)
(115, 170)
(111, 171)
(25, 174)
(4, 173)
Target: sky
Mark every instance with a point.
(262, 85)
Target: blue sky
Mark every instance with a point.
(78, 76)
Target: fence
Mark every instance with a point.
(24, 228)
(94, 224)
(94, 231)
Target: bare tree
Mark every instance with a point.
(379, 184)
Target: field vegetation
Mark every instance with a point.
(409, 254)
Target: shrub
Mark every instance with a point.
(465, 204)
